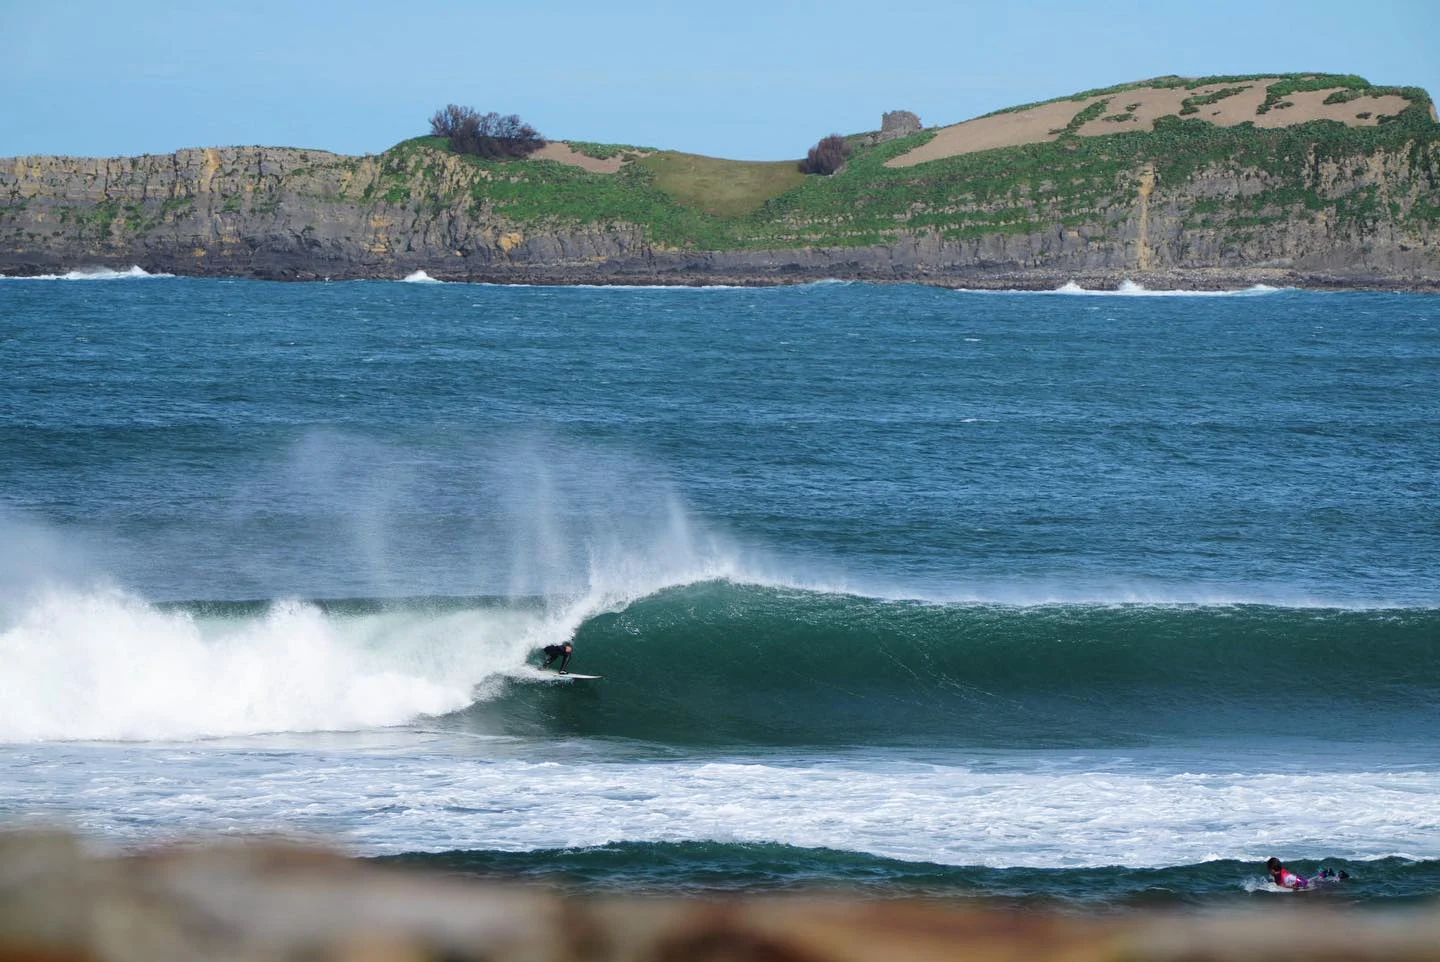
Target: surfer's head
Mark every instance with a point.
(569, 647)
(1273, 865)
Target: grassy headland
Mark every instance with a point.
(1307, 172)
(683, 200)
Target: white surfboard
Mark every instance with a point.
(550, 675)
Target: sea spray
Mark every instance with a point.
(519, 512)
(1129, 288)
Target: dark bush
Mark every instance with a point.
(488, 135)
(827, 156)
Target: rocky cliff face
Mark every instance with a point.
(273, 213)
(303, 214)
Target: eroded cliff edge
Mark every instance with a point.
(1185, 203)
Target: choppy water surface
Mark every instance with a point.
(1075, 598)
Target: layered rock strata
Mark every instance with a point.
(304, 214)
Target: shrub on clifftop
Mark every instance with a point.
(489, 135)
(827, 156)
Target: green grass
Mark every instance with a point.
(605, 151)
(1191, 105)
(1083, 117)
(97, 219)
(724, 188)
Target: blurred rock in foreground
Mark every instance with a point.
(270, 901)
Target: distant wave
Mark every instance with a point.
(704, 868)
(1131, 289)
(93, 274)
(420, 277)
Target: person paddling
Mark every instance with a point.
(562, 652)
(1283, 877)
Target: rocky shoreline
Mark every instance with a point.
(1038, 279)
(297, 215)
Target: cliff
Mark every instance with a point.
(1172, 181)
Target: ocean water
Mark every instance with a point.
(1079, 599)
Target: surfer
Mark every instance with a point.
(1283, 877)
(562, 652)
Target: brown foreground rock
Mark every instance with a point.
(264, 901)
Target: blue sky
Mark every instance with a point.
(733, 78)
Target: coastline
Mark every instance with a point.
(1209, 279)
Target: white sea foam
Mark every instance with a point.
(94, 274)
(442, 792)
(1132, 289)
(101, 664)
(420, 277)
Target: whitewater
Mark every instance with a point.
(1097, 597)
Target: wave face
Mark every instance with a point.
(707, 868)
(721, 663)
(725, 663)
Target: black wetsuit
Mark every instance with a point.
(557, 651)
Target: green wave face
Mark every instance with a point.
(724, 664)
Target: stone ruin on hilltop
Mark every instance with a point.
(894, 124)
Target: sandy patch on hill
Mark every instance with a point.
(1147, 104)
(1310, 105)
(1138, 109)
(562, 152)
(1034, 126)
